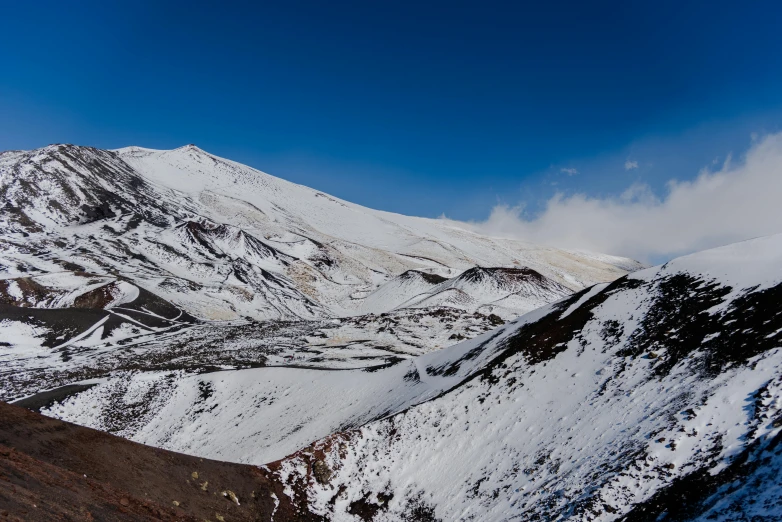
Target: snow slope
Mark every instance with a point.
(225, 241)
(89, 229)
(659, 394)
(262, 414)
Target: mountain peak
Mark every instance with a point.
(134, 197)
(191, 147)
(135, 150)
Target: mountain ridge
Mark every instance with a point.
(225, 321)
(233, 248)
(322, 250)
(657, 396)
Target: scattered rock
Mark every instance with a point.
(495, 319)
(321, 471)
(231, 495)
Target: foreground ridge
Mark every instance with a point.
(52, 470)
(655, 397)
(652, 396)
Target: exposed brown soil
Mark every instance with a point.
(97, 298)
(29, 289)
(54, 470)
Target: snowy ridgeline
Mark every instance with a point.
(151, 261)
(141, 275)
(655, 397)
(223, 241)
(659, 393)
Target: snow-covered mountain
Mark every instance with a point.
(655, 397)
(132, 286)
(200, 249)
(224, 241)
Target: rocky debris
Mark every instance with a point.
(321, 471)
(495, 320)
(230, 495)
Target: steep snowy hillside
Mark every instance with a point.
(656, 397)
(224, 241)
(262, 414)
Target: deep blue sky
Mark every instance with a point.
(415, 107)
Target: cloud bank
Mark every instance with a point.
(629, 165)
(737, 202)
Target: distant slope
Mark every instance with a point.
(262, 414)
(508, 292)
(224, 241)
(53, 322)
(398, 290)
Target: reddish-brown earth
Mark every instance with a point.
(54, 470)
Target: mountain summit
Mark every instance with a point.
(155, 248)
(224, 241)
(376, 367)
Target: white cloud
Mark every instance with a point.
(569, 172)
(736, 202)
(629, 165)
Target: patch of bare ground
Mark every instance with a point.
(54, 470)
